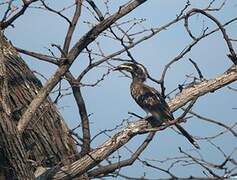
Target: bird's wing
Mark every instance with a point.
(152, 101)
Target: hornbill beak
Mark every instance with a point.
(123, 67)
(117, 68)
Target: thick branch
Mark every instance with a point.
(95, 157)
(112, 167)
(203, 88)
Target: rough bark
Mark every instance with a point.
(46, 141)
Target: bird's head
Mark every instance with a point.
(138, 71)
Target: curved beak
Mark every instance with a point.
(123, 67)
(117, 68)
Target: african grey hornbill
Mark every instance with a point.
(149, 99)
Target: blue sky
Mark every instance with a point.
(110, 101)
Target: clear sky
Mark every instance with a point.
(109, 102)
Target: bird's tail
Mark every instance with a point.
(188, 136)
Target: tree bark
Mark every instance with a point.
(47, 140)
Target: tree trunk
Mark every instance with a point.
(47, 140)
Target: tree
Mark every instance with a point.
(37, 143)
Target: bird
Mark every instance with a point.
(149, 99)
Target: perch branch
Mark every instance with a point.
(96, 156)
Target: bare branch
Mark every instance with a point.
(5, 24)
(201, 164)
(96, 9)
(73, 53)
(76, 89)
(204, 87)
(214, 122)
(153, 33)
(112, 167)
(72, 26)
(7, 11)
(54, 11)
(197, 68)
(39, 56)
(95, 31)
(232, 54)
